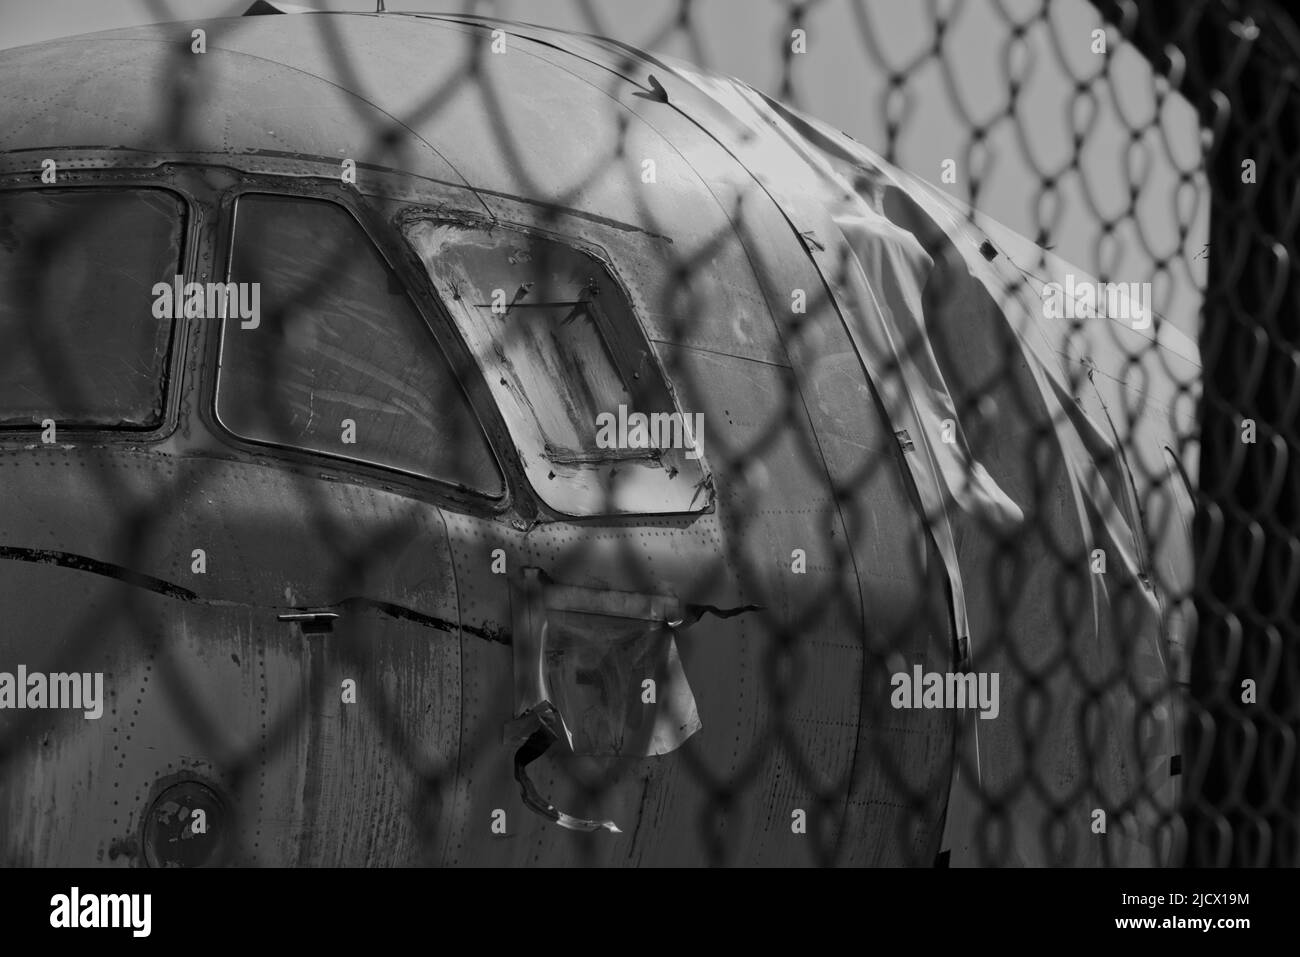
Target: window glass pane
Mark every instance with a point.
(80, 341)
(337, 359)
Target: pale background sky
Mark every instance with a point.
(842, 80)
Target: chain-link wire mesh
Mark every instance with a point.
(469, 631)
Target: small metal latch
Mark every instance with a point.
(905, 441)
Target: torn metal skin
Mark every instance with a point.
(588, 665)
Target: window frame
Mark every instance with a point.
(622, 343)
(178, 343)
(373, 228)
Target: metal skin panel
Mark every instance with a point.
(218, 688)
(121, 95)
(1104, 625)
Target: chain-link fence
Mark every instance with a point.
(570, 456)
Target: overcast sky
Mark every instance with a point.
(842, 79)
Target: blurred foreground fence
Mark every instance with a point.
(1102, 168)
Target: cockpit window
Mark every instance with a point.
(323, 350)
(84, 337)
(596, 426)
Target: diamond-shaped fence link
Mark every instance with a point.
(369, 595)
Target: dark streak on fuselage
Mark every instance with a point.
(45, 556)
